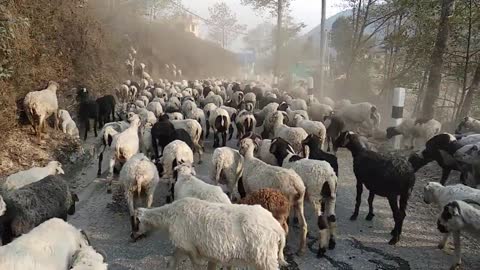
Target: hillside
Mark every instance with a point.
(77, 42)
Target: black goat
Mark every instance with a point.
(163, 133)
(440, 148)
(383, 175)
(316, 152)
(106, 108)
(88, 109)
(335, 125)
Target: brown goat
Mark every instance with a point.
(272, 200)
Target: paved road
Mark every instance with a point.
(361, 244)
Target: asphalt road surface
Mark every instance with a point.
(361, 244)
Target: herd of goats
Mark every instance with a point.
(150, 132)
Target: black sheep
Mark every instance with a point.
(29, 206)
(383, 175)
(316, 152)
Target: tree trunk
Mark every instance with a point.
(278, 42)
(467, 104)
(322, 49)
(467, 61)
(436, 61)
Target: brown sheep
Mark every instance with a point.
(272, 200)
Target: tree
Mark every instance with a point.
(436, 64)
(260, 38)
(224, 27)
(276, 7)
(465, 109)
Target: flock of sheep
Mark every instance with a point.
(149, 133)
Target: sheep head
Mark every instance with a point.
(248, 144)
(450, 218)
(429, 192)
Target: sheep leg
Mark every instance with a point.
(55, 115)
(111, 165)
(323, 237)
(370, 215)
(230, 130)
(444, 240)
(215, 139)
(131, 207)
(445, 174)
(458, 251)
(95, 127)
(211, 266)
(396, 217)
(303, 226)
(178, 254)
(358, 200)
(332, 220)
(207, 133)
(224, 138)
(87, 129)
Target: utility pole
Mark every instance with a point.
(323, 39)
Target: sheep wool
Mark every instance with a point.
(187, 185)
(23, 178)
(49, 246)
(227, 165)
(236, 235)
(88, 259)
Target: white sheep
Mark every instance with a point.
(312, 127)
(263, 152)
(339, 105)
(358, 114)
(250, 98)
(194, 129)
(187, 185)
(236, 235)
(213, 98)
(227, 165)
(293, 135)
(87, 258)
(258, 174)
(39, 105)
(176, 152)
(327, 101)
(415, 132)
(175, 116)
(440, 195)
(460, 216)
(321, 187)
(124, 146)
(137, 175)
(245, 122)
(68, 125)
(468, 124)
(23, 178)
(298, 104)
(146, 146)
(49, 246)
(318, 111)
(219, 121)
(156, 108)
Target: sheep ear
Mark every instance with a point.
(273, 146)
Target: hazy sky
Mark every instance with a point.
(307, 11)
